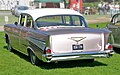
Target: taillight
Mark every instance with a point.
(109, 47)
(48, 51)
(48, 54)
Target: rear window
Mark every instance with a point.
(61, 20)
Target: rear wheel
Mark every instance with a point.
(9, 47)
(33, 58)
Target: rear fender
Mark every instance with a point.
(36, 51)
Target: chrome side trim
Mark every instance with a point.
(39, 43)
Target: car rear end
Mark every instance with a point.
(75, 46)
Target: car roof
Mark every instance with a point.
(36, 13)
(21, 6)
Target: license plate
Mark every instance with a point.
(77, 47)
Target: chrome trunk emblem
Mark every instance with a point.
(77, 39)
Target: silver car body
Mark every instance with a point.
(57, 35)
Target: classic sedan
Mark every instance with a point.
(53, 34)
(114, 26)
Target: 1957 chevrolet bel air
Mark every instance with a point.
(54, 34)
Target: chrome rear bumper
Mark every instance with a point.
(77, 56)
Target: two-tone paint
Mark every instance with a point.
(58, 40)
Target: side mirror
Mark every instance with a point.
(16, 23)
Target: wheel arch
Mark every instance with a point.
(35, 51)
(30, 49)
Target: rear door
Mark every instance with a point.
(115, 28)
(24, 31)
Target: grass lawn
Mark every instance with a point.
(98, 25)
(15, 63)
(11, 19)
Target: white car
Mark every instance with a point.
(19, 9)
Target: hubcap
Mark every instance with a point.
(9, 46)
(33, 57)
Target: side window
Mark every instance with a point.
(66, 20)
(22, 20)
(29, 21)
(76, 20)
(116, 20)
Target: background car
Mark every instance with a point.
(114, 26)
(18, 9)
(13, 10)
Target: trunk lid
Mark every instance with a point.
(66, 43)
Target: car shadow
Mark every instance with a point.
(21, 55)
(71, 64)
(117, 50)
(62, 64)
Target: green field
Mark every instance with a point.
(11, 19)
(97, 25)
(15, 63)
